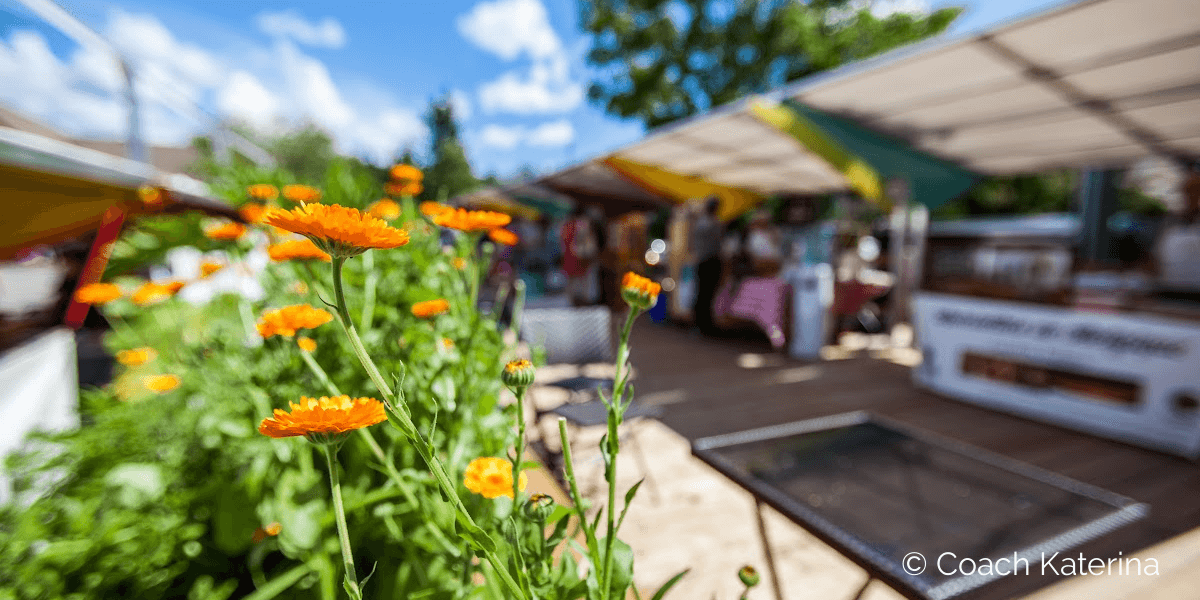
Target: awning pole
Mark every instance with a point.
(898, 193)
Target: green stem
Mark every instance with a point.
(403, 421)
(514, 323)
(320, 373)
(368, 309)
(365, 433)
(355, 342)
(576, 497)
(615, 412)
(520, 445)
(343, 535)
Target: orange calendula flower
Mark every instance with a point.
(161, 383)
(226, 232)
(287, 320)
(430, 308)
(263, 191)
(306, 344)
(301, 194)
(136, 356)
(491, 477)
(471, 221)
(411, 188)
(97, 293)
(151, 293)
(638, 291)
(384, 209)
(151, 196)
(324, 419)
(338, 230)
(503, 236)
(252, 212)
(404, 173)
(208, 268)
(432, 208)
(296, 250)
(263, 533)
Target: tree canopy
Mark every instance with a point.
(448, 173)
(663, 60)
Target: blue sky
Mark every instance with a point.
(363, 71)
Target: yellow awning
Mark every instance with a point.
(682, 188)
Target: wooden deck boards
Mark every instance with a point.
(710, 394)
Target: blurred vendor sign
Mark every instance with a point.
(1130, 377)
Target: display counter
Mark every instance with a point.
(1004, 321)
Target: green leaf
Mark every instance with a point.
(668, 585)
(628, 499)
(622, 565)
(280, 583)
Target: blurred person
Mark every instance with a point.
(1178, 248)
(605, 277)
(764, 245)
(580, 248)
(707, 233)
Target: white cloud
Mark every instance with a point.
(312, 89)
(180, 84)
(507, 28)
(461, 104)
(882, 9)
(75, 95)
(554, 134)
(499, 136)
(546, 89)
(245, 98)
(327, 33)
(511, 29)
(382, 137)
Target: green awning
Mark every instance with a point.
(932, 181)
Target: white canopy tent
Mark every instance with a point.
(1095, 83)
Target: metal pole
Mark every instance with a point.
(135, 148)
(762, 531)
(898, 193)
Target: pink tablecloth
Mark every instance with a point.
(762, 301)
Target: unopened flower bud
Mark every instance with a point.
(749, 576)
(639, 292)
(518, 375)
(539, 506)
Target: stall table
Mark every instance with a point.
(919, 512)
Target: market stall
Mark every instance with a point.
(1008, 319)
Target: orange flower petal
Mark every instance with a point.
(338, 229)
(97, 293)
(491, 477)
(471, 221)
(338, 414)
(430, 308)
(301, 194)
(287, 320)
(296, 250)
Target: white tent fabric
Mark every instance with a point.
(733, 147)
(1094, 83)
(40, 392)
